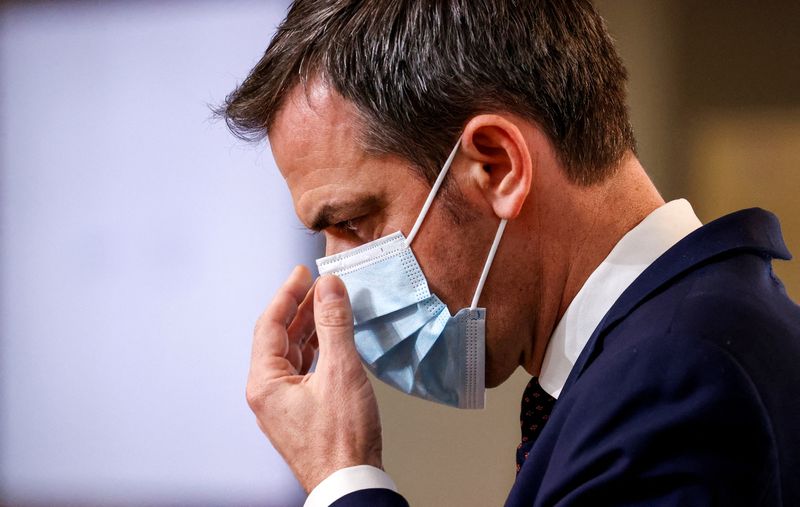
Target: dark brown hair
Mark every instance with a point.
(418, 70)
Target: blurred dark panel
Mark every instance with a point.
(740, 54)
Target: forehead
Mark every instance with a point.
(312, 121)
(314, 141)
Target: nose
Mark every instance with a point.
(335, 244)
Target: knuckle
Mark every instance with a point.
(254, 396)
(335, 316)
(259, 392)
(262, 324)
(258, 327)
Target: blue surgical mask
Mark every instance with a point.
(404, 334)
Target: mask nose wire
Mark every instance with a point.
(432, 194)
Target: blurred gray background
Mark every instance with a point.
(139, 241)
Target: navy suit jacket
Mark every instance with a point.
(687, 393)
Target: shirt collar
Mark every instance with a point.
(639, 248)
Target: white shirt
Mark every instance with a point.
(639, 248)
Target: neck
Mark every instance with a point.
(578, 226)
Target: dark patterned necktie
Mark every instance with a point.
(536, 408)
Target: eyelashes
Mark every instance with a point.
(347, 226)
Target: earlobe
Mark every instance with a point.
(501, 162)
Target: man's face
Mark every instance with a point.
(353, 198)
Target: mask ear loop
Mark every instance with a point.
(488, 264)
(427, 206)
(432, 194)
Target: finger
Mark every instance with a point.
(295, 357)
(302, 327)
(298, 283)
(312, 341)
(300, 330)
(334, 327)
(270, 338)
(309, 352)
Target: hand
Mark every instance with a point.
(322, 421)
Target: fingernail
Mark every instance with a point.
(329, 289)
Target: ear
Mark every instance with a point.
(500, 162)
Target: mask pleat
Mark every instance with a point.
(379, 335)
(402, 361)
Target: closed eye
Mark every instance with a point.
(329, 217)
(349, 226)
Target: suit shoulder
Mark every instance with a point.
(735, 303)
(740, 293)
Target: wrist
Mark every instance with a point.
(346, 481)
(310, 482)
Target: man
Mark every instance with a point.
(664, 353)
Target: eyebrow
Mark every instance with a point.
(335, 212)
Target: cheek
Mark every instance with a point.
(452, 263)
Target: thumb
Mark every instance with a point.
(333, 319)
